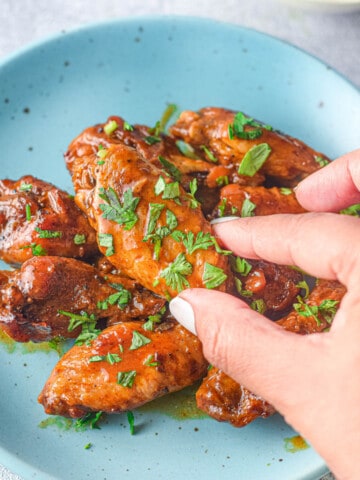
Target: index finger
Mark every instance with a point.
(323, 244)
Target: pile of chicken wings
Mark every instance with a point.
(101, 266)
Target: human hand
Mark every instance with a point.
(311, 380)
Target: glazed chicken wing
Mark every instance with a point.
(229, 136)
(36, 218)
(242, 200)
(148, 226)
(32, 298)
(125, 367)
(227, 401)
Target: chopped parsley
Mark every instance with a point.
(258, 305)
(286, 191)
(110, 127)
(110, 358)
(240, 289)
(321, 161)
(191, 195)
(153, 319)
(210, 156)
(114, 210)
(127, 127)
(138, 340)
(150, 361)
(126, 379)
(121, 298)
(222, 180)
(87, 323)
(327, 309)
(28, 212)
(106, 240)
(25, 187)
(353, 210)
(186, 149)
(101, 154)
(240, 265)
(213, 276)
(237, 128)
(79, 239)
(156, 235)
(254, 159)
(169, 190)
(131, 421)
(222, 207)
(247, 209)
(90, 420)
(151, 139)
(36, 250)
(304, 285)
(202, 241)
(175, 274)
(48, 233)
(170, 168)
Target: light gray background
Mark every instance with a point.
(332, 37)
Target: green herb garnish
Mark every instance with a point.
(89, 420)
(254, 159)
(121, 298)
(114, 210)
(210, 156)
(28, 212)
(79, 239)
(48, 233)
(126, 379)
(138, 340)
(170, 168)
(131, 421)
(321, 161)
(248, 207)
(175, 274)
(127, 127)
(213, 276)
(25, 187)
(258, 305)
(186, 149)
(327, 309)
(150, 362)
(110, 127)
(36, 250)
(353, 210)
(240, 265)
(87, 323)
(106, 240)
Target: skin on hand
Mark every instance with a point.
(311, 380)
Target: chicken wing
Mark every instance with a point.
(36, 218)
(227, 401)
(38, 301)
(125, 367)
(229, 136)
(148, 226)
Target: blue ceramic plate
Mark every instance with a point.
(48, 94)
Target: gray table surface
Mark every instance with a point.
(332, 37)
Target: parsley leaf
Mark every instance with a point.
(48, 233)
(79, 239)
(87, 323)
(240, 265)
(106, 240)
(237, 128)
(353, 210)
(110, 127)
(247, 209)
(213, 276)
(176, 272)
(138, 340)
(191, 196)
(170, 168)
(121, 298)
(254, 159)
(186, 149)
(131, 421)
(210, 156)
(36, 250)
(126, 379)
(90, 420)
(114, 210)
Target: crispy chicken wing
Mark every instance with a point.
(148, 226)
(125, 367)
(36, 218)
(32, 298)
(227, 401)
(290, 160)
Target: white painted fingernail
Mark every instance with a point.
(223, 220)
(184, 313)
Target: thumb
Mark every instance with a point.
(251, 349)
